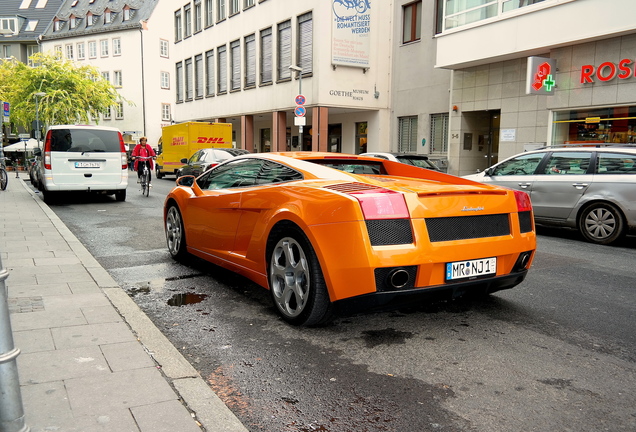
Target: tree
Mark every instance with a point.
(73, 94)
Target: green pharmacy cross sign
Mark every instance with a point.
(540, 78)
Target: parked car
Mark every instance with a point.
(322, 237)
(592, 189)
(417, 160)
(204, 159)
(83, 158)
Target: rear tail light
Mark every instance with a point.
(523, 201)
(47, 151)
(124, 155)
(382, 204)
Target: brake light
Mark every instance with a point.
(124, 155)
(523, 201)
(382, 204)
(47, 151)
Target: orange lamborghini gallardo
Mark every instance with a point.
(324, 231)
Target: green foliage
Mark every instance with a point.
(74, 94)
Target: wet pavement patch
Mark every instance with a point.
(186, 299)
(388, 336)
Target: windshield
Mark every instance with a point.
(85, 140)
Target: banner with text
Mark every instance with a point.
(351, 32)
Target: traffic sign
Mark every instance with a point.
(300, 100)
(300, 111)
(7, 110)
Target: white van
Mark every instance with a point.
(83, 158)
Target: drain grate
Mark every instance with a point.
(26, 304)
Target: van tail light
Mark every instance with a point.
(47, 151)
(124, 155)
(523, 201)
(382, 204)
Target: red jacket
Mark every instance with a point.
(143, 151)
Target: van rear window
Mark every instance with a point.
(84, 140)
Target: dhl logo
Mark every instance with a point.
(179, 140)
(210, 140)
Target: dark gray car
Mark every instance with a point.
(204, 159)
(592, 189)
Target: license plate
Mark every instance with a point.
(86, 164)
(471, 268)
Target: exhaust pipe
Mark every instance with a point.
(398, 278)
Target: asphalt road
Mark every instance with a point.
(556, 353)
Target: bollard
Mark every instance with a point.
(11, 410)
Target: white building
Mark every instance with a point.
(129, 42)
(233, 63)
(589, 90)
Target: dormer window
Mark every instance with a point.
(107, 16)
(75, 3)
(57, 24)
(9, 25)
(126, 13)
(89, 19)
(73, 21)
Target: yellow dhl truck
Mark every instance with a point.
(182, 140)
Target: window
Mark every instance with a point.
(73, 21)
(108, 16)
(165, 80)
(11, 24)
(234, 7)
(117, 79)
(197, 16)
(220, 10)
(222, 69)
(106, 76)
(209, 12)
(284, 50)
(89, 19)
(198, 76)
(163, 48)
(119, 111)
(179, 72)
(126, 16)
(188, 79)
(32, 49)
(57, 25)
(457, 13)
(527, 164)
(69, 51)
(6, 51)
(81, 55)
(615, 163)
(209, 73)
(439, 133)
(92, 49)
(411, 22)
(104, 47)
(266, 56)
(116, 46)
(305, 43)
(235, 58)
(56, 48)
(250, 61)
(166, 112)
(177, 26)
(407, 134)
(106, 113)
(248, 3)
(187, 18)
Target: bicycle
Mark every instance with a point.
(145, 175)
(4, 178)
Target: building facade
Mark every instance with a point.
(288, 75)
(129, 42)
(587, 96)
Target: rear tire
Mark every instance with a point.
(175, 233)
(120, 195)
(296, 282)
(4, 179)
(601, 223)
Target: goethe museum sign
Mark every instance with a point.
(607, 71)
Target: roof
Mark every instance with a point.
(99, 16)
(33, 17)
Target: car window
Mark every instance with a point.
(354, 167)
(616, 163)
(85, 140)
(521, 165)
(195, 157)
(416, 161)
(567, 163)
(234, 174)
(273, 172)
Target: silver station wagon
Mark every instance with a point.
(592, 189)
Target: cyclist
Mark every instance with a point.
(143, 150)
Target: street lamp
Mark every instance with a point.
(37, 115)
(299, 70)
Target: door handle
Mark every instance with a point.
(525, 185)
(580, 185)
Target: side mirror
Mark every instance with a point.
(37, 151)
(187, 180)
(184, 161)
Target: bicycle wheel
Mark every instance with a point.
(4, 179)
(145, 181)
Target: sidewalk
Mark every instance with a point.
(90, 358)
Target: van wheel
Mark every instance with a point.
(158, 173)
(49, 197)
(120, 195)
(601, 223)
